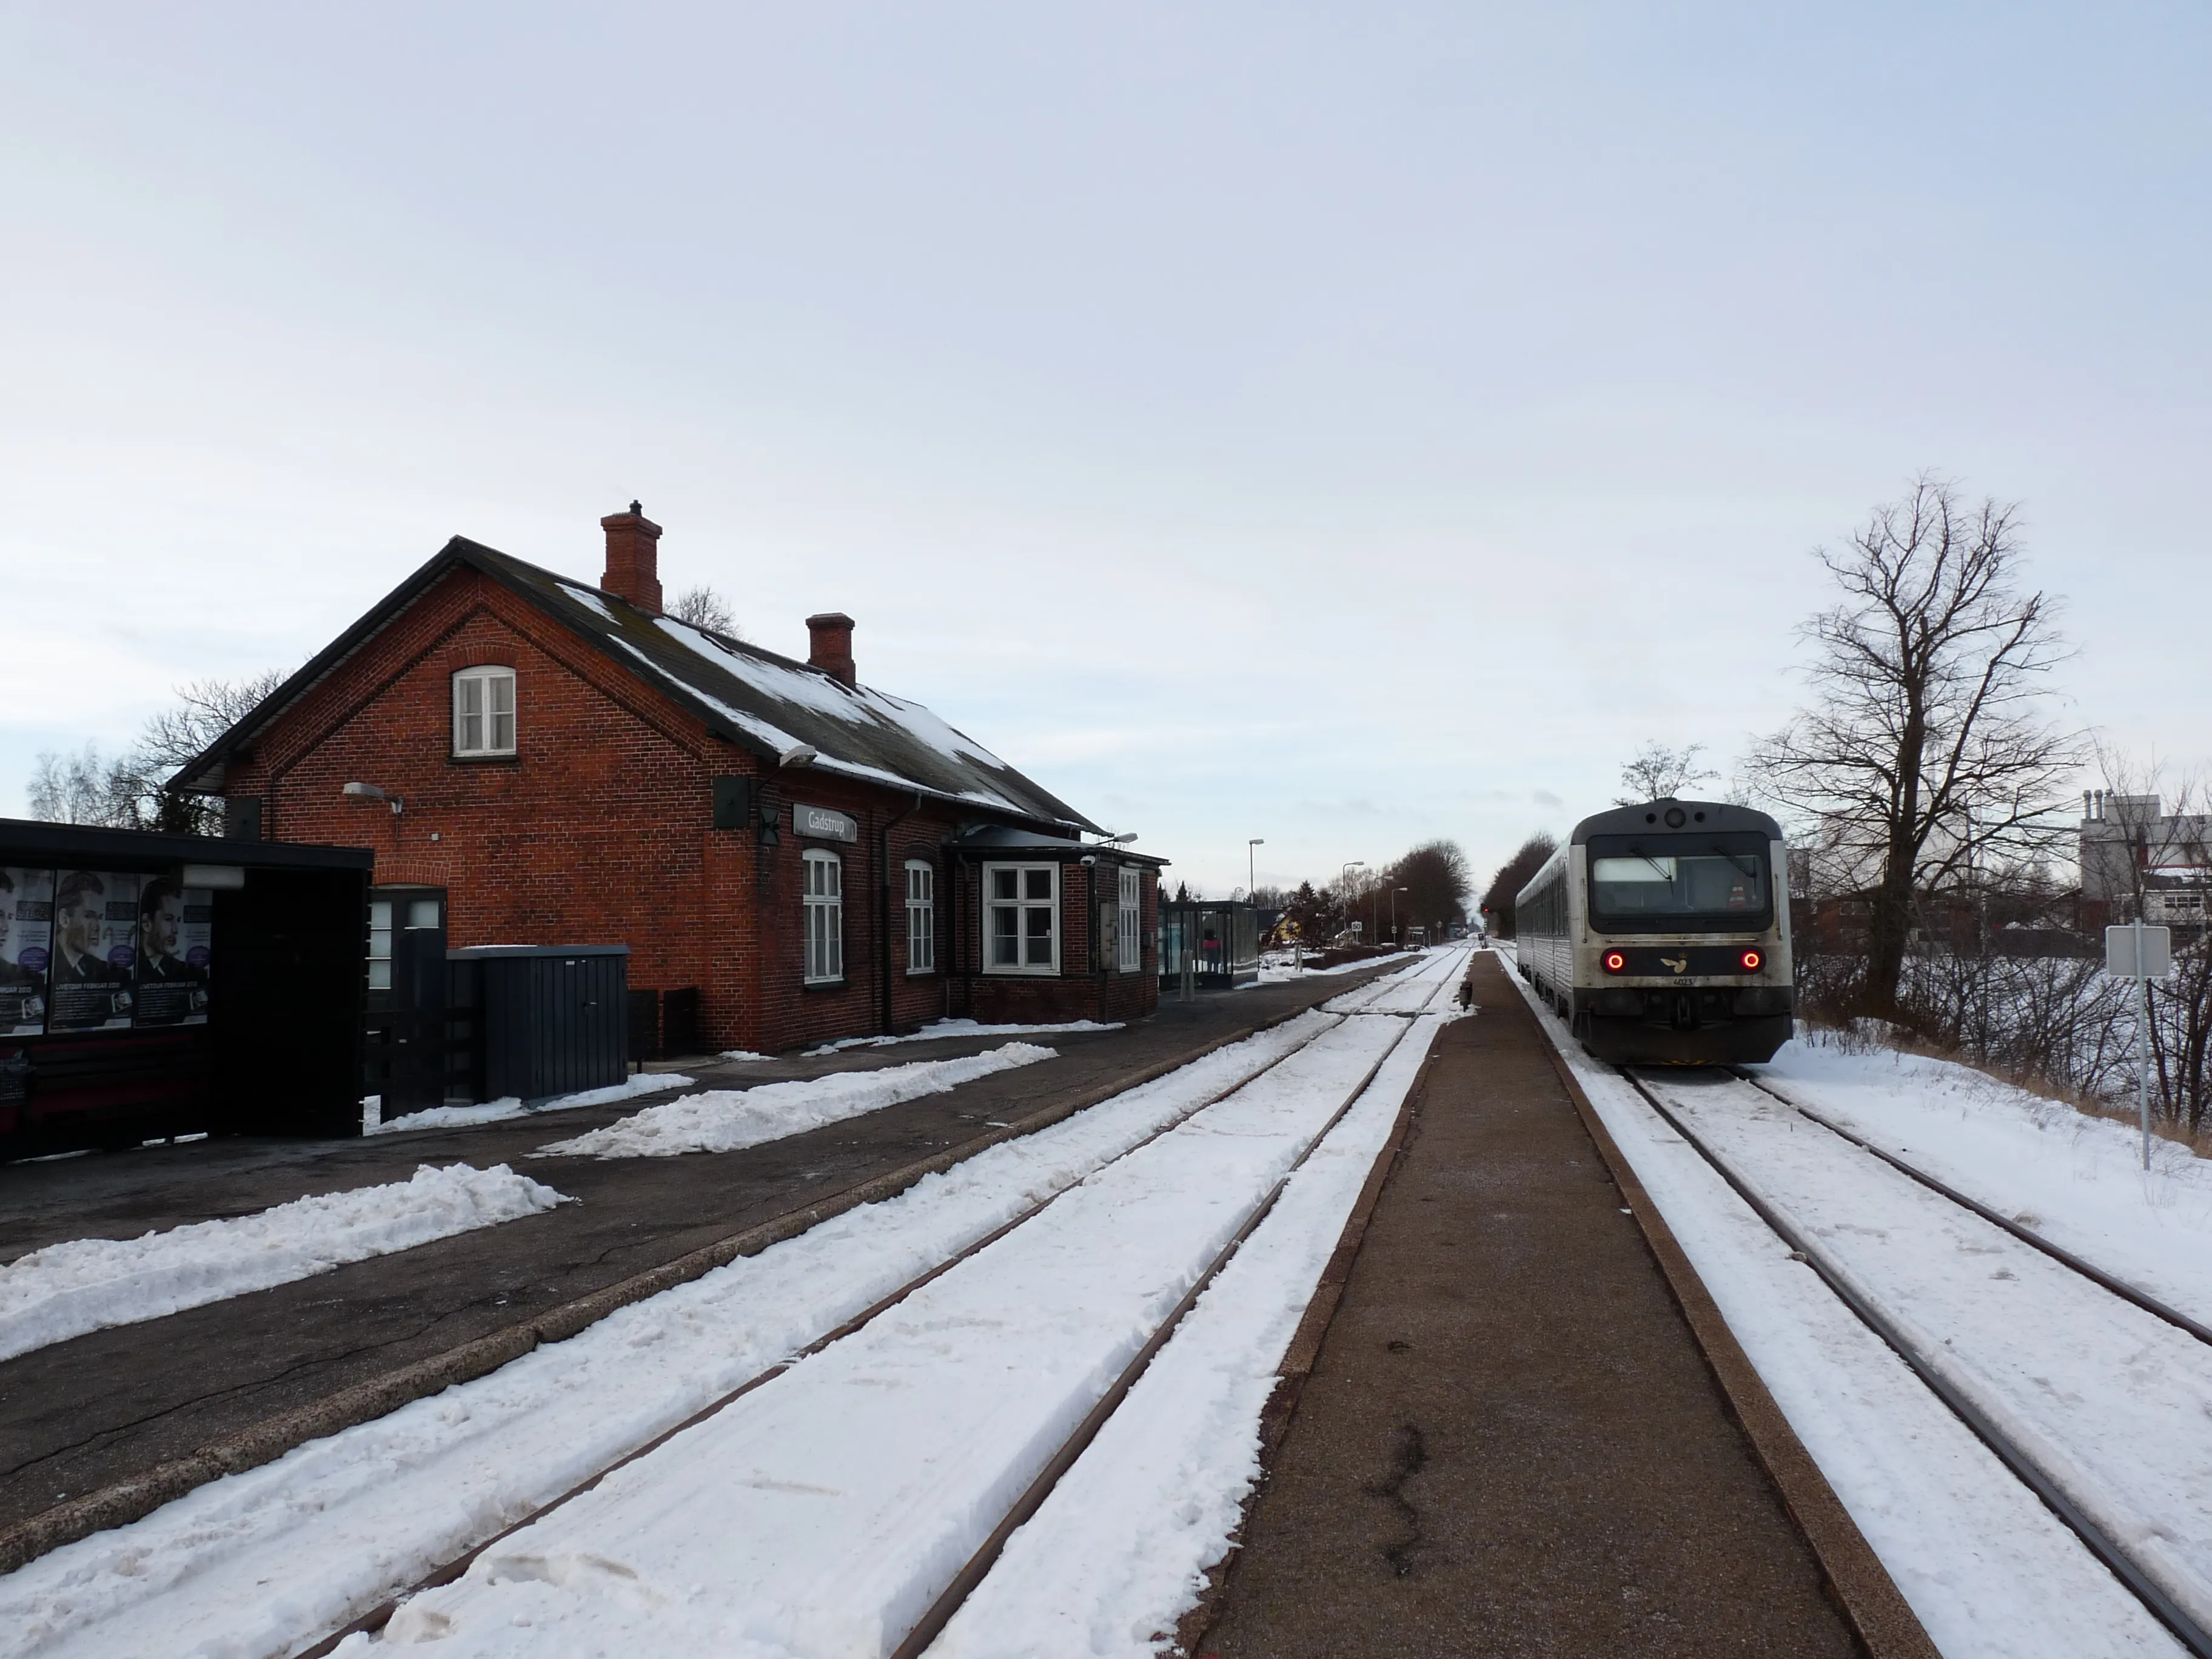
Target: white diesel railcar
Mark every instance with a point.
(1661, 933)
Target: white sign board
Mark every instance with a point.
(2120, 952)
(824, 824)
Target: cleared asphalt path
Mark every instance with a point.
(105, 1406)
(1510, 1442)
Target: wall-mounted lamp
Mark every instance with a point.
(800, 754)
(370, 791)
(1122, 841)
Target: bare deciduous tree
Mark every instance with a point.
(1925, 748)
(131, 791)
(702, 607)
(1512, 876)
(1658, 773)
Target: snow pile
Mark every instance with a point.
(939, 1029)
(493, 1111)
(343, 1520)
(726, 1119)
(88, 1284)
(2077, 1180)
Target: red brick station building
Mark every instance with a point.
(539, 761)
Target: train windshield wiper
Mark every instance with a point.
(1735, 859)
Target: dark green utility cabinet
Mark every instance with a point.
(552, 1018)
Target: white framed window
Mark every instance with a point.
(1128, 931)
(920, 917)
(380, 945)
(1021, 918)
(483, 711)
(824, 895)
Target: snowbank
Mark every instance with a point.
(725, 1120)
(938, 1029)
(88, 1284)
(492, 1111)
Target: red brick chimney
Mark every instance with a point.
(633, 558)
(830, 645)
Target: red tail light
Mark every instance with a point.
(1614, 962)
(1751, 961)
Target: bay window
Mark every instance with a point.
(1021, 918)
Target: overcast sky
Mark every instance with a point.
(1342, 425)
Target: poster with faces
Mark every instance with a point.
(26, 928)
(95, 950)
(175, 949)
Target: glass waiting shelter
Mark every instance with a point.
(1220, 937)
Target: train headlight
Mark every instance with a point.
(1751, 962)
(1616, 961)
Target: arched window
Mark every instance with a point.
(483, 711)
(824, 895)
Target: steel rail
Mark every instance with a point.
(2122, 1566)
(377, 1617)
(2089, 1270)
(979, 1565)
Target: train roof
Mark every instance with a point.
(1659, 815)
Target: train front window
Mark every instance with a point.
(1679, 883)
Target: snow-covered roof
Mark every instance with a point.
(768, 704)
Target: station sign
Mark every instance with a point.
(822, 824)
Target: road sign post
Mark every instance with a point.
(2142, 954)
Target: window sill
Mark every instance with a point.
(484, 760)
(822, 984)
(921, 973)
(1022, 973)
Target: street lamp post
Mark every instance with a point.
(1356, 864)
(1251, 864)
(1394, 891)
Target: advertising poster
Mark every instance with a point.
(95, 950)
(27, 932)
(176, 954)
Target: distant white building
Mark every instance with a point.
(2128, 842)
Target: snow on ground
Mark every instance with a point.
(938, 1029)
(1988, 1570)
(1118, 1552)
(2112, 1402)
(492, 1111)
(1276, 967)
(823, 1512)
(342, 1521)
(725, 1120)
(2077, 1180)
(89, 1284)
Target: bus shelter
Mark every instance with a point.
(1218, 939)
(157, 985)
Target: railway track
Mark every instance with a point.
(2113, 1485)
(1399, 998)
